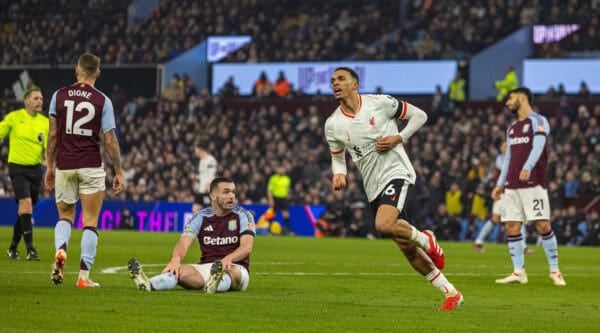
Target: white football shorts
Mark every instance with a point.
(526, 204)
(499, 206)
(70, 183)
(204, 270)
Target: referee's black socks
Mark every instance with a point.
(16, 238)
(27, 229)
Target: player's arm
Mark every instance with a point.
(338, 158)
(270, 192)
(112, 144)
(502, 178)
(244, 250)
(416, 119)
(5, 126)
(247, 233)
(537, 147)
(179, 252)
(212, 171)
(51, 146)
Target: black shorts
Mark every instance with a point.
(396, 193)
(280, 204)
(202, 199)
(26, 181)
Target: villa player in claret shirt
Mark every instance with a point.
(79, 113)
(523, 180)
(366, 127)
(225, 232)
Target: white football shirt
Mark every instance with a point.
(358, 134)
(207, 170)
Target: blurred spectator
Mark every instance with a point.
(584, 91)
(174, 90)
(445, 226)
(127, 220)
(189, 89)
(571, 185)
(439, 102)
(593, 235)
(282, 86)
(510, 82)
(456, 91)
(454, 200)
(262, 86)
(229, 89)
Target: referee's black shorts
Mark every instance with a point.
(26, 181)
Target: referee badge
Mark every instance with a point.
(40, 137)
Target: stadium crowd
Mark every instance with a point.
(35, 32)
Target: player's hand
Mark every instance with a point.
(388, 143)
(49, 178)
(173, 267)
(338, 182)
(524, 175)
(227, 264)
(496, 192)
(118, 184)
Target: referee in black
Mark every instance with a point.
(27, 131)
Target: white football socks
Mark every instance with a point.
(225, 283)
(419, 238)
(438, 280)
(164, 281)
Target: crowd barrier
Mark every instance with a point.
(158, 216)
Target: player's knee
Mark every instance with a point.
(25, 206)
(543, 227)
(190, 278)
(385, 225)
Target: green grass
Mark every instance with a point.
(299, 285)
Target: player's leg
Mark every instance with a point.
(512, 220)
(526, 248)
(497, 209)
(90, 210)
(485, 231)
(286, 221)
(21, 185)
(91, 194)
(240, 278)
(537, 209)
(136, 273)
(550, 245)
(66, 198)
(34, 177)
(423, 264)
(281, 205)
(190, 277)
(387, 208)
(12, 251)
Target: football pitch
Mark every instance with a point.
(298, 285)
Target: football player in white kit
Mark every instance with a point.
(366, 126)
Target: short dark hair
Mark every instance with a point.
(215, 182)
(352, 72)
(523, 90)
